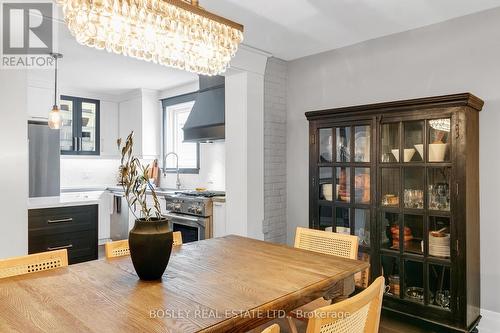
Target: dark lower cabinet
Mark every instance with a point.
(403, 176)
(71, 228)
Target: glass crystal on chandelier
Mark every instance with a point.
(153, 30)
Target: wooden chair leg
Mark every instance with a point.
(291, 325)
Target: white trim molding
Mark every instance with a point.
(490, 323)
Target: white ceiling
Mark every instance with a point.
(100, 72)
(291, 29)
(288, 29)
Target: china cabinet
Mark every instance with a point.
(403, 176)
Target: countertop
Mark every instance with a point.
(63, 200)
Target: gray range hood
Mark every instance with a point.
(206, 122)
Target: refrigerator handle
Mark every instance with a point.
(75, 143)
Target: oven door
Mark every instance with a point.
(192, 228)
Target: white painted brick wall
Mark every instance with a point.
(275, 86)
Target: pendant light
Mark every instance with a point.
(55, 117)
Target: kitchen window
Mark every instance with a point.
(175, 115)
(80, 126)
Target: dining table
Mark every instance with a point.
(227, 284)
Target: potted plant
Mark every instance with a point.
(150, 241)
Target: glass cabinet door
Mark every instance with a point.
(390, 143)
(89, 126)
(325, 145)
(67, 136)
(80, 130)
(439, 140)
(413, 141)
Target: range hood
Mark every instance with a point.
(206, 122)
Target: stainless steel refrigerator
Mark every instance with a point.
(44, 160)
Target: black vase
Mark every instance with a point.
(150, 244)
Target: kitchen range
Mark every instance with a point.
(191, 213)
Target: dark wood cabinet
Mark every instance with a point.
(404, 177)
(71, 228)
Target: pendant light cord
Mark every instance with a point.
(55, 84)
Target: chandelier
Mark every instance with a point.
(175, 33)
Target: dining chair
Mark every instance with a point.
(272, 329)
(326, 242)
(177, 238)
(357, 314)
(121, 248)
(33, 263)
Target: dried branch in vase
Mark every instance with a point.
(135, 182)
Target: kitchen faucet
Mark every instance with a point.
(178, 183)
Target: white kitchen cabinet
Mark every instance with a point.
(141, 113)
(109, 129)
(40, 102)
(219, 219)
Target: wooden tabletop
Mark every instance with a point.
(229, 284)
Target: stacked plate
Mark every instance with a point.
(439, 244)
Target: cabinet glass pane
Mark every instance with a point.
(325, 184)
(362, 185)
(343, 138)
(390, 231)
(413, 141)
(342, 220)
(414, 281)
(390, 271)
(439, 236)
(362, 279)
(362, 226)
(439, 188)
(439, 135)
(414, 188)
(390, 187)
(439, 286)
(67, 125)
(413, 234)
(89, 130)
(343, 184)
(325, 217)
(325, 145)
(390, 143)
(362, 143)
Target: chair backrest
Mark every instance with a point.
(121, 248)
(177, 238)
(33, 263)
(272, 329)
(117, 248)
(345, 246)
(358, 314)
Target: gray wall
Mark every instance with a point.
(455, 56)
(275, 82)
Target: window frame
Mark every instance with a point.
(166, 103)
(77, 124)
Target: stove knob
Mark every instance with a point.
(170, 206)
(177, 206)
(190, 210)
(199, 210)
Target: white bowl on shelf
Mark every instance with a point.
(420, 149)
(437, 152)
(327, 191)
(408, 154)
(395, 153)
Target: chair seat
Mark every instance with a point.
(304, 312)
